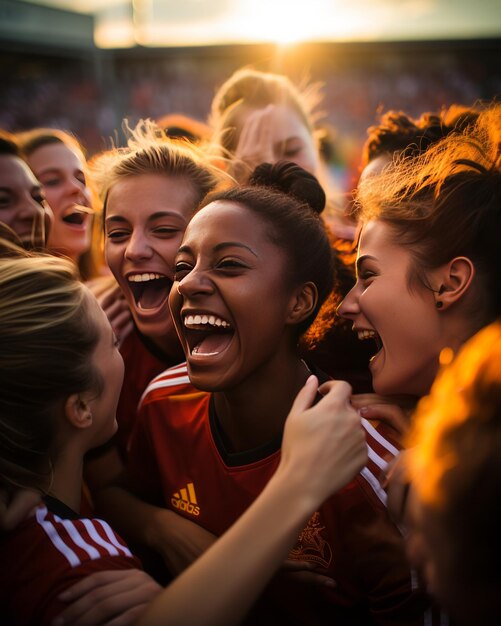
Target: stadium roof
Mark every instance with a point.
(202, 22)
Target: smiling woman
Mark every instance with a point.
(253, 270)
(149, 190)
(429, 241)
(59, 163)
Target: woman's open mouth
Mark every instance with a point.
(77, 215)
(149, 289)
(207, 334)
(364, 335)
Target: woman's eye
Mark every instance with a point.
(166, 230)
(366, 275)
(230, 264)
(52, 182)
(292, 152)
(4, 200)
(117, 234)
(181, 269)
(81, 179)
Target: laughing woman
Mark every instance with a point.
(428, 280)
(60, 377)
(252, 272)
(150, 190)
(58, 161)
(428, 256)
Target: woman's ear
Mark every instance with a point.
(77, 411)
(452, 281)
(303, 303)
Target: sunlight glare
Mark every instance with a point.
(281, 21)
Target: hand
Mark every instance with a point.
(255, 142)
(17, 506)
(307, 573)
(182, 543)
(323, 446)
(394, 411)
(114, 597)
(111, 299)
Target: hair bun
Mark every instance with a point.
(291, 179)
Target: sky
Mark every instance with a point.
(203, 22)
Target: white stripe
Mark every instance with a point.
(374, 483)
(176, 369)
(163, 383)
(374, 456)
(113, 538)
(110, 548)
(74, 533)
(57, 541)
(378, 437)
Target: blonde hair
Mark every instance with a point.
(249, 87)
(150, 151)
(47, 341)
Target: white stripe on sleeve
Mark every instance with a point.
(56, 540)
(113, 538)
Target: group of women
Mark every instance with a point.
(243, 476)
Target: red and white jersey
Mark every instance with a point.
(178, 459)
(48, 553)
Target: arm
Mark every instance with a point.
(323, 448)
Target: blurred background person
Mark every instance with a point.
(58, 161)
(25, 216)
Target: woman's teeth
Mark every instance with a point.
(366, 334)
(141, 278)
(212, 320)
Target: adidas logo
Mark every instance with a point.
(186, 500)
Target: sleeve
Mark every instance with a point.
(51, 606)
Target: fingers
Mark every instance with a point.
(306, 572)
(255, 142)
(390, 414)
(359, 400)
(324, 442)
(111, 595)
(15, 508)
(335, 392)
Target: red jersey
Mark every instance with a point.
(178, 460)
(48, 553)
(141, 365)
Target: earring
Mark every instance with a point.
(439, 304)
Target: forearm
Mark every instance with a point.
(261, 538)
(138, 521)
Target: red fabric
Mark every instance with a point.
(174, 458)
(41, 558)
